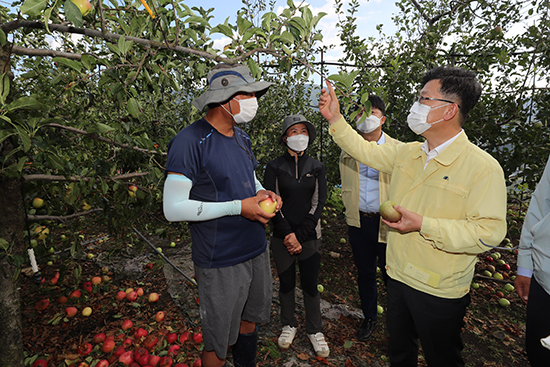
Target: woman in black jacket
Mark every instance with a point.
(302, 184)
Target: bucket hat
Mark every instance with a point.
(298, 119)
(225, 82)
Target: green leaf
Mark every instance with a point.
(196, 19)
(25, 138)
(100, 128)
(75, 65)
(287, 37)
(72, 13)
(133, 108)
(4, 245)
(254, 68)
(27, 103)
(2, 38)
(5, 85)
(223, 29)
(104, 186)
(348, 344)
(88, 61)
(33, 7)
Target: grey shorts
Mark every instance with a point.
(231, 294)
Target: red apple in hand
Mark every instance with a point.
(268, 205)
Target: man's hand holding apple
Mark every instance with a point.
(409, 222)
(250, 208)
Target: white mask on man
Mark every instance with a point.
(418, 117)
(297, 143)
(248, 109)
(370, 124)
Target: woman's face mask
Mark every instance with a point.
(297, 143)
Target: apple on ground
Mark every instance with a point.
(87, 311)
(174, 350)
(132, 296)
(487, 273)
(90, 255)
(150, 342)
(184, 337)
(127, 342)
(505, 266)
(197, 337)
(498, 276)
(388, 212)
(197, 363)
(268, 205)
(40, 363)
(491, 268)
(140, 333)
(99, 338)
(489, 258)
(499, 294)
(172, 244)
(153, 360)
(153, 297)
(379, 309)
(166, 361)
(475, 285)
(96, 280)
(342, 240)
(143, 360)
(504, 302)
(171, 338)
(88, 287)
(159, 316)
(108, 346)
(85, 349)
(320, 288)
(509, 287)
(140, 352)
(42, 304)
(126, 358)
(139, 292)
(102, 363)
(120, 295)
(62, 300)
(127, 324)
(71, 311)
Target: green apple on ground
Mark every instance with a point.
(498, 276)
(379, 309)
(172, 244)
(342, 240)
(504, 302)
(268, 205)
(83, 5)
(475, 285)
(487, 273)
(388, 212)
(509, 287)
(320, 288)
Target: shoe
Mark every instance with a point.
(319, 344)
(366, 329)
(287, 336)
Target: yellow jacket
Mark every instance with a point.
(461, 195)
(349, 174)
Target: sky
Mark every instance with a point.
(370, 14)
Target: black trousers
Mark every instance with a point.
(366, 251)
(436, 322)
(538, 325)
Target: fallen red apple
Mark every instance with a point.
(140, 333)
(166, 362)
(174, 350)
(153, 360)
(172, 338)
(40, 363)
(139, 292)
(132, 296)
(197, 337)
(159, 316)
(140, 352)
(499, 294)
(99, 338)
(268, 205)
(127, 342)
(184, 337)
(149, 266)
(75, 294)
(153, 297)
(489, 259)
(96, 280)
(198, 363)
(126, 358)
(108, 346)
(62, 300)
(506, 267)
(150, 342)
(54, 281)
(143, 360)
(102, 363)
(126, 324)
(83, 364)
(120, 350)
(71, 311)
(42, 304)
(388, 212)
(88, 287)
(85, 349)
(120, 295)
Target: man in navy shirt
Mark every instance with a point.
(210, 182)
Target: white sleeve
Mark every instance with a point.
(179, 208)
(258, 184)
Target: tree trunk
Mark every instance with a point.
(11, 229)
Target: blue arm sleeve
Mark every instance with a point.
(179, 208)
(258, 183)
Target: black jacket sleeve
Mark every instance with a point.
(280, 224)
(307, 227)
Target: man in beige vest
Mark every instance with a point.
(363, 190)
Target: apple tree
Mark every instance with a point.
(88, 104)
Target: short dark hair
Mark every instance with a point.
(456, 83)
(375, 102)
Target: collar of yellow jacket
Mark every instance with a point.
(450, 154)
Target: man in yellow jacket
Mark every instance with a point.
(363, 190)
(452, 197)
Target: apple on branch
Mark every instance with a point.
(83, 5)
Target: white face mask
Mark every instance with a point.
(370, 124)
(418, 117)
(248, 109)
(297, 143)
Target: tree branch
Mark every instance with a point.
(100, 138)
(24, 51)
(64, 217)
(42, 177)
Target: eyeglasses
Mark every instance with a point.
(421, 100)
